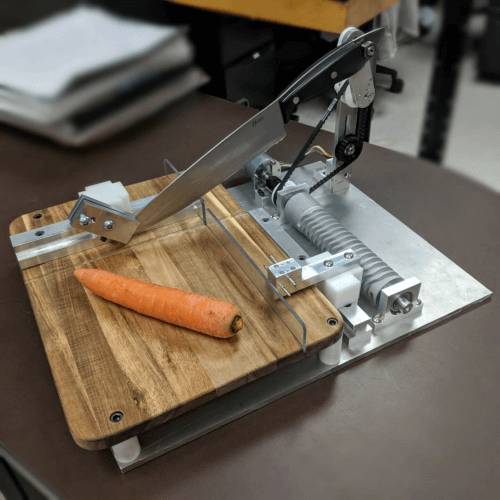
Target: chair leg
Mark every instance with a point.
(397, 84)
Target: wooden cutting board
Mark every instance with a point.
(105, 358)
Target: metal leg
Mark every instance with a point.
(331, 355)
(127, 451)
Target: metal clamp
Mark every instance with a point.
(319, 268)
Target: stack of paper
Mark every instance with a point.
(85, 74)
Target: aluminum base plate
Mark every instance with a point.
(446, 290)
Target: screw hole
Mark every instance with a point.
(332, 321)
(265, 219)
(104, 239)
(348, 305)
(37, 216)
(39, 233)
(116, 417)
(302, 257)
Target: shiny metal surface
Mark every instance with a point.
(103, 220)
(249, 140)
(61, 239)
(327, 234)
(317, 269)
(446, 288)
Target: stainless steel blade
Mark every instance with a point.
(249, 140)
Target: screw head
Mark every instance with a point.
(276, 216)
(348, 255)
(116, 417)
(334, 75)
(328, 263)
(350, 149)
(347, 175)
(377, 319)
(296, 100)
(109, 225)
(369, 51)
(419, 302)
(84, 220)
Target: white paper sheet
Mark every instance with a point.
(43, 59)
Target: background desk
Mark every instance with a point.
(417, 420)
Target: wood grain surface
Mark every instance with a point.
(105, 358)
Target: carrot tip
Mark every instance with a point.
(237, 324)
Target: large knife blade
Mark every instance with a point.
(252, 138)
(258, 134)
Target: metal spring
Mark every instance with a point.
(330, 236)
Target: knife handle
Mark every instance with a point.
(339, 64)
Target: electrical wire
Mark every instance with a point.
(313, 149)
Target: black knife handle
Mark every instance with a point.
(339, 64)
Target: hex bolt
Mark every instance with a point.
(348, 255)
(108, 225)
(328, 263)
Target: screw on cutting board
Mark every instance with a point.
(116, 417)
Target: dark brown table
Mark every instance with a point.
(418, 420)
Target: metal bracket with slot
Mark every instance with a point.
(98, 218)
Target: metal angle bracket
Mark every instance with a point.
(95, 217)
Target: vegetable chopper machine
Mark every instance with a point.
(386, 282)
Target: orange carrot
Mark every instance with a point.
(203, 314)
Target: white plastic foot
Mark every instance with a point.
(127, 451)
(331, 355)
